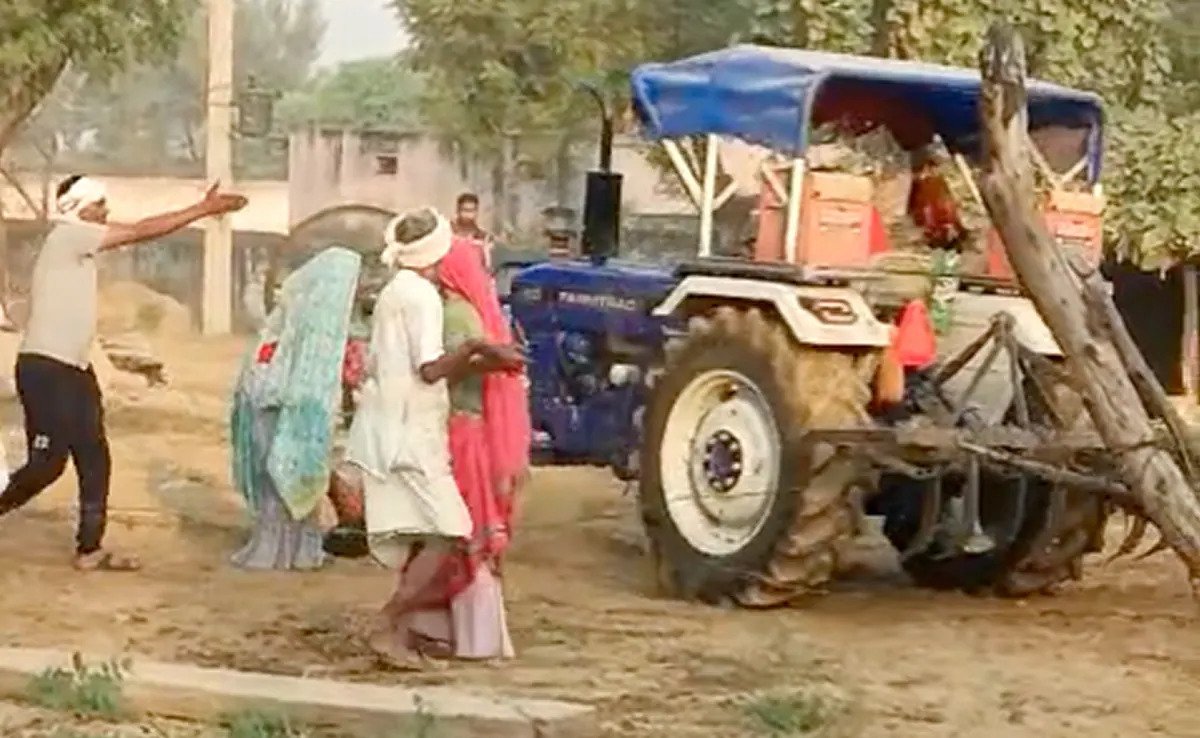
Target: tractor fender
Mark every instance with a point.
(974, 312)
(815, 315)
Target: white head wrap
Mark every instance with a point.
(84, 192)
(424, 252)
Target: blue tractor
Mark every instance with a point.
(738, 392)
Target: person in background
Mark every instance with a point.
(399, 439)
(559, 230)
(60, 397)
(286, 408)
(466, 225)
(558, 244)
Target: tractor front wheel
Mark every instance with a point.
(735, 505)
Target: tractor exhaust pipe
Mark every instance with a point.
(602, 198)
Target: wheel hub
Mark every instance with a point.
(720, 461)
(723, 461)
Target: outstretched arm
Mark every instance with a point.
(157, 226)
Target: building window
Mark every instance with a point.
(387, 165)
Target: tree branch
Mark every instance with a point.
(1152, 474)
(25, 94)
(20, 188)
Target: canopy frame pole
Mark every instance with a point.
(690, 183)
(724, 196)
(791, 233)
(768, 176)
(708, 195)
(1074, 172)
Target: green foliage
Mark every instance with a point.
(784, 716)
(1142, 56)
(501, 67)
(833, 25)
(41, 38)
(82, 690)
(276, 41)
(676, 28)
(154, 112)
(370, 93)
(259, 724)
(1183, 41)
(1153, 183)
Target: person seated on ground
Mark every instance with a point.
(285, 413)
(60, 396)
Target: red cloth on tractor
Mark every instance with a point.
(932, 208)
(914, 341)
(877, 236)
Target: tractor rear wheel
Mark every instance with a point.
(734, 506)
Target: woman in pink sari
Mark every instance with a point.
(460, 613)
(489, 452)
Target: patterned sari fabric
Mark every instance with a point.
(299, 383)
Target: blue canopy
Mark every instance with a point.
(770, 96)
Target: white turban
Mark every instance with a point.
(84, 192)
(424, 252)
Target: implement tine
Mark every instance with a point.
(1058, 511)
(1135, 531)
(1158, 547)
(931, 506)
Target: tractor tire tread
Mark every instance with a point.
(795, 551)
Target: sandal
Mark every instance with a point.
(107, 561)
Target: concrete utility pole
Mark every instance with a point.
(216, 318)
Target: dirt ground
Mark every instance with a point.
(1116, 655)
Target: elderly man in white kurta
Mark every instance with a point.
(399, 438)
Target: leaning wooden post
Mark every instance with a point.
(1158, 486)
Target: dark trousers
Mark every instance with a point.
(64, 415)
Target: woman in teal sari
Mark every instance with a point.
(286, 406)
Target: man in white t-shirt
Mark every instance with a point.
(64, 414)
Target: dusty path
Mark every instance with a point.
(1115, 656)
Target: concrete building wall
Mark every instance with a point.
(331, 167)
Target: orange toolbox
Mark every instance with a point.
(835, 215)
(1075, 219)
